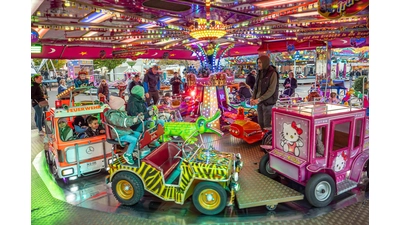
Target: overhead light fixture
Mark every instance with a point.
(96, 17)
(201, 30)
(146, 26)
(36, 49)
(165, 42)
(168, 19)
(313, 13)
(129, 40)
(266, 4)
(90, 33)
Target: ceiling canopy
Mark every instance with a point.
(171, 28)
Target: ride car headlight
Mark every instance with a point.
(235, 176)
(67, 172)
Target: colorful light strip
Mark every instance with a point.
(275, 3)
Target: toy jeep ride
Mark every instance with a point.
(172, 174)
(70, 154)
(323, 147)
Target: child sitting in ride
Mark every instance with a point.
(244, 92)
(81, 80)
(94, 128)
(166, 101)
(118, 117)
(333, 98)
(137, 105)
(66, 132)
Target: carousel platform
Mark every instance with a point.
(88, 200)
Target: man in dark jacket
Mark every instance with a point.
(152, 85)
(251, 79)
(175, 83)
(265, 93)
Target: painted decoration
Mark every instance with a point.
(358, 42)
(334, 9)
(34, 36)
(293, 135)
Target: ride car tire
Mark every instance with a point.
(209, 206)
(265, 169)
(320, 190)
(127, 188)
(267, 138)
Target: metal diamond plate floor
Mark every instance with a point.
(89, 200)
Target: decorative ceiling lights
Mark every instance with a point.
(204, 30)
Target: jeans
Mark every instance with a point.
(264, 114)
(38, 117)
(132, 140)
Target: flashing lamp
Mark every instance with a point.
(193, 93)
(58, 104)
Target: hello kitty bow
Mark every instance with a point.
(298, 130)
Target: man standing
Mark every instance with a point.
(251, 79)
(175, 83)
(152, 85)
(265, 93)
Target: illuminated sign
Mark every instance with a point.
(36, 48)
(85, 108)
(334, 9)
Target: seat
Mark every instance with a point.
(109, 128)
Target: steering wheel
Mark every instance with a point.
(251, 112)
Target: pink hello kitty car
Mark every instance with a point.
(324, 147)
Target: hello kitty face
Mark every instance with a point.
(291, 132)
(340, 163)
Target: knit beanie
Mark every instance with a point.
(265, 61)
(116, 102)
(138, 90)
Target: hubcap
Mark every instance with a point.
(268, 168)
(125, 189)
(209, 199)
(322, 191)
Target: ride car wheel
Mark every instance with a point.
(127, 188)
(209, 198)
(320, 190)
(267, 139)
(265, 169)
(48, 158)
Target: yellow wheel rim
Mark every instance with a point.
(209, 199)
(125, 189)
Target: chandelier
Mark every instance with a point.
(207, 30)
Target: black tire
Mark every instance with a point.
(127, 188)
(209, 207)
(267, 138)
(366, 168)
(320, 190)
(265, 169)
(48, 158)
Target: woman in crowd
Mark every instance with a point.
(103, 90)
(37, 95)
(62, 87)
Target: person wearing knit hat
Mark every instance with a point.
(65, 131)
(118, 117)
(265, 92)
(136, 103)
